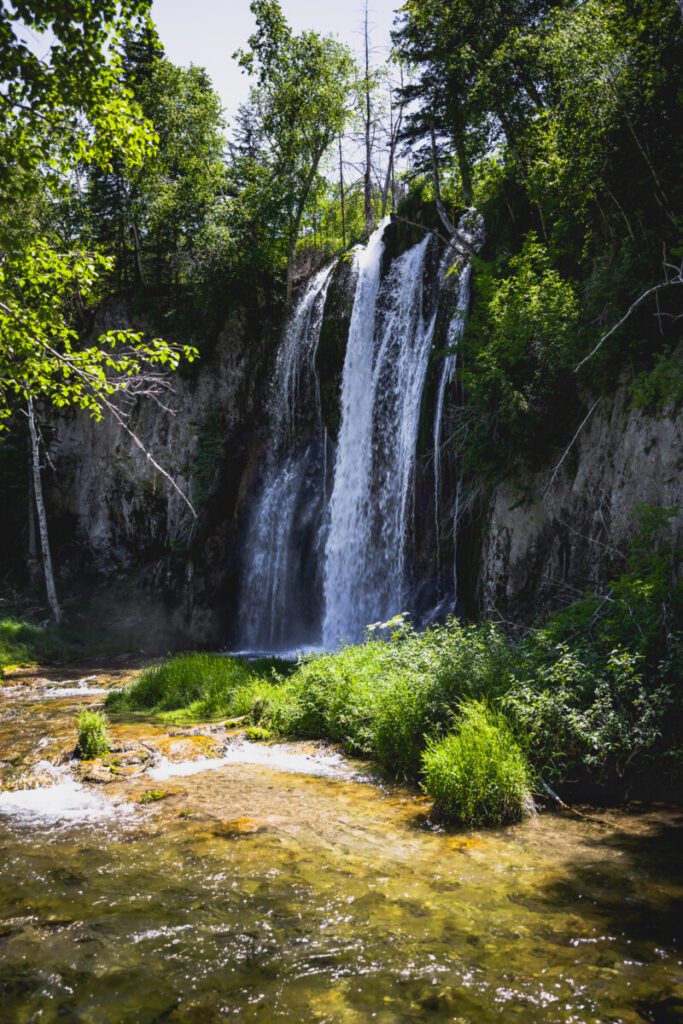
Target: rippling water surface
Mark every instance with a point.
(287, 884)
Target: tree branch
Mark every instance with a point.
(638, 302)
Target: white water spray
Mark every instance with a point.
(384, 373)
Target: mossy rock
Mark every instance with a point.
(152, 796)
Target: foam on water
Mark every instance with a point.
(323, 763)
(65, 802)
(39, 689)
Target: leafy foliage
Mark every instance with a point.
(519, 345)
(40, 351)
(71, 106)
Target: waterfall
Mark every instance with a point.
(331, 540)
(383, 378)
(449, 365)
(292, 484)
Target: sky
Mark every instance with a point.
(207, 32)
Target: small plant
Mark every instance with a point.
(257, 733)
(93, 740)
(478, 774)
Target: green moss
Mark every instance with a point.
(257, 733)
(151, 796)
(478, 774)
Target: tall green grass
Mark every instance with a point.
(27, 643)
(192, 686)
(478, 775)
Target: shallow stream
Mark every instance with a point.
(286, 883)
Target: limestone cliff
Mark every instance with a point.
(546, 541)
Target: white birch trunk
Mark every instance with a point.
(42, 519)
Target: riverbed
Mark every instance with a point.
(199, 878)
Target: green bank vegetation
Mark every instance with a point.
(591, 698)
(24, 643)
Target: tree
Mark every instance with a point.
(301, 94)
(152, 217)
(451, 43)
(71, 109)
(71, 106)
(42, 358)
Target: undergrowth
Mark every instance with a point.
(27, 643)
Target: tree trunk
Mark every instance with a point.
(341, 192)
(395, 131)
(42, 518)
(465, 172)
(32, 561)
(138, 252)
(441, 209)
(369, 217)
(294, 237)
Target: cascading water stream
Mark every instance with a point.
(318, 566)
(269, 575)
(384, 372)
(449, 365)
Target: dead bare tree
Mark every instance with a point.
(342, 198)
(668, 282)
(395, 125)
(367, 85)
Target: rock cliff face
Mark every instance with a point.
(114, 517)
(545, 543)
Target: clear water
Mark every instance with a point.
(253, 893)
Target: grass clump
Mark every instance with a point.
(478, 775)
(93, 740)
(152, 796)
(195, 686)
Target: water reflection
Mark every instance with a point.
(248, 893)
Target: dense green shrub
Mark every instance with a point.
(597, 690)
(93, 740)
(381, 699)
(478, 775)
